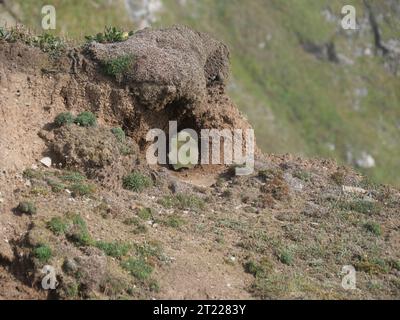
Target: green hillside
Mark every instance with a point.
(307, 86)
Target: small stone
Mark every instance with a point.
(46, 161)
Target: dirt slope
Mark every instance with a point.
(284, 232)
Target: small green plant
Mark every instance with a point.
(125, 150)
(27, 207)
(253, 268)
(71, 290)
(46, 42)
(2, 33)
(49, 43)
(183, 201)
(86, 119)
(154, 286)
(152, 249)
(145, 213)
(113, 249)
(286, 257)
(32, 174)
(119, 134)
(138, 268)
(110, 35)
(361, 206)
(42, 252)
(136, 182)
(64, 118)
(117, 66)
(57, 187)
(371, 265)
(174, 221)
(73, 176)
(79, 232)
(39, 191)
(81, 189)
(374, 228)
(57, 225)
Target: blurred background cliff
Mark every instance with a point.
(308, 86)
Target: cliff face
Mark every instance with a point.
(113, 226)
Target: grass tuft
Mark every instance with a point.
(136, 182)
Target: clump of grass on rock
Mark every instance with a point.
(86, 119)
(110, 35)
(79, 233)
(64, 118)
(58, 225)
(117, 66)
(136, 182)
(114, 249)
(42, 252)
(119, 134)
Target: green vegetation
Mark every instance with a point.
(110, 35)
(374, 228)
(27, 207)
(117, 66)
(174, 221)
(79, 233)
(73, 176)
(43, 253)
(81, 189)
(361, 206)
(285, 256)
(254, 268)
(371, 265)
(47, 42)
(136, 182)
(58, 226)
(152, 249)
(56, 187)
(114, 249)
(183, 201)
(85, 119)
(32, 174)
(64, 118)
(145, 214)
(119, 134)
(138, 268)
